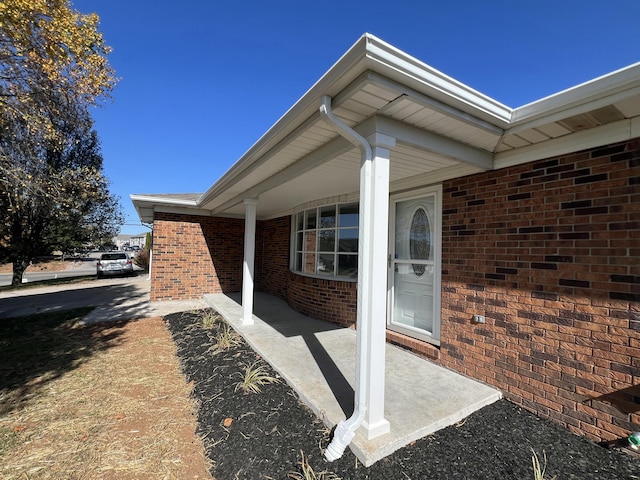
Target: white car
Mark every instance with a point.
(114, 263)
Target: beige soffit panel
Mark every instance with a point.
(611, 133)
(630, 107)
(368, 53)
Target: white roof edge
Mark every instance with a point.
(309, 99)
(433, 79)
(162, 200)
(369, 53)
(611, 83)
(373, 54)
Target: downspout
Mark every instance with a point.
(346, 429)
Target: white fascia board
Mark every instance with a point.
(433, 177)
(182, 210)
(431, 102)
(330, 150)
(368, 53)
(343, 72)
(405, 68)
(577, 109)
(586, 94)
(136, 198)
(146, 205)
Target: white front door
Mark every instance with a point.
(414, 265)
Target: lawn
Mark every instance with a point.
(94, 402)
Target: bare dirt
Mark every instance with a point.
(119, 410)
(45, 266)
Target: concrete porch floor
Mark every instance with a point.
(317, 359)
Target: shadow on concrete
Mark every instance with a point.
(308, 330)
(125, 301)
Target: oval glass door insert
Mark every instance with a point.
(419, 240)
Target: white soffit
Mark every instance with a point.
(367, 54)
(443, 128)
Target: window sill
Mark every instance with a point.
(325, 277)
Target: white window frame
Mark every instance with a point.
(293, 252)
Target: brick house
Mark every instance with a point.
(501, 243)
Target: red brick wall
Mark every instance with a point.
(272, 256)
(549, 252)
(330, 300)
(194, 255)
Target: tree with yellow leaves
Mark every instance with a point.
(53, 68)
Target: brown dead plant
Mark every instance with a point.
(123, 412)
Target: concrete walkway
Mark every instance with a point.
(318, 360)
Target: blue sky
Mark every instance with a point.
(202, 81)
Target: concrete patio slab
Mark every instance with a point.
(318, 360)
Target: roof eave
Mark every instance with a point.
(145, 205)
(368, 53)
(162, 200)
(586, 94)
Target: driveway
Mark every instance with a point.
(114, 298)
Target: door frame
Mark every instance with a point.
(436, 192)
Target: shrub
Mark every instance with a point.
(142, 259)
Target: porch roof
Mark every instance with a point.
(443, 129)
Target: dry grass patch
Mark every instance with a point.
(116, 407)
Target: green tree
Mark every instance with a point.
(53, 193)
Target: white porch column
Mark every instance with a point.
(248, 262)
(150, 262)
(374, 208)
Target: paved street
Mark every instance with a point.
(86, 267)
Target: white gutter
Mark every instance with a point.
(346, 429)
(369, 53)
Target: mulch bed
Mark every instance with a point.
(266, 435)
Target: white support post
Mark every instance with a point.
(150, 262)
(248, 262)
(374, 279)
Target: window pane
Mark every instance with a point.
(309, 263)
(327, 241)
(311, 219)
(348, 266)
(328, 217)
(349, 215)
(310, 241)
(320, 234)
(326, 264)
(348, 240)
